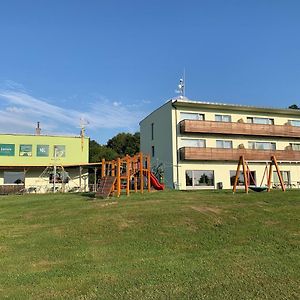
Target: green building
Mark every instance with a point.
(30, 162)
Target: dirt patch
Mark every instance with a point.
(43, 265)
(271, 223)
(207, 209)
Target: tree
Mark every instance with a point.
(294, 106)
(125, 143)
(97, 152)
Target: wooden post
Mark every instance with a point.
(148, 173)
(113, 168)
(118, 176)
(269, 176)
(237, 174)
(103, 169)
(273, 158)
(141, 173)
(135, 173)
(127, 174)
(245, 175)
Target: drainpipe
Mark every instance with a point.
(177, 150)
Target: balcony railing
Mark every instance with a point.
(197, 153)
(197, 126)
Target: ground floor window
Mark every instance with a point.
(251, 177)
(13, 177)
(286, 176)
(198, 178)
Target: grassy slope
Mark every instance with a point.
(167, 245)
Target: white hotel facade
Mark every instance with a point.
(199, 143)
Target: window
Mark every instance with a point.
(294, 122)
(286, 177)
(199, 178)
(152, 151)
(224, 144)
(7, 149)
(25, 150)
(251, 178)
(11, 177)
(152, 131)
(295, 146)
(60, 151)
(222, 118)
(191, 116)
(42, 150)
(262, 145)
(193, 143)
(254, 120)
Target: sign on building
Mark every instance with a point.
(42, 150)
(25, 150)
(7, 149)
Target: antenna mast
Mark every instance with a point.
(83, 123)
(181, 86)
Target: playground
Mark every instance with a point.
(170, 245)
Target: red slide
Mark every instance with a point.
(155, 183)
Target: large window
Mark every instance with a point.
(191, 116)
(295, 146)
(193, 143)
(294, 122)
(11, 177)
(223, 118)
(262, 145)
(224, 144)
(251, 178)
(195, 178)
(254, 120)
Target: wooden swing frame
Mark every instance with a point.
(246, 169)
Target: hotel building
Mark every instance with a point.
(199, 143)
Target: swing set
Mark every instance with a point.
(247, 175)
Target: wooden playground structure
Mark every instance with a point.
(267, 172)
(126, 174)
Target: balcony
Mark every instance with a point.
(197, 126)
(197, 153)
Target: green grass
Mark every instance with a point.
(163, 245)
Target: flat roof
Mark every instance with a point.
(50, 165)
(185, 102)
(43, 135)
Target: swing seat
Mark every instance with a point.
(258, 189)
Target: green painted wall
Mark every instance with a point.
(18, 149)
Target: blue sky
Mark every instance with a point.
(113, 62)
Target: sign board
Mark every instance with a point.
(25, 150)
(60, 150)
(42, 150)
(7, 149)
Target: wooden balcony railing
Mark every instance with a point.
(197, 126)
(197, 153)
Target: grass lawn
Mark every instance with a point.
(162, 245)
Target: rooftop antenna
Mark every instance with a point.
(83, 123)
(181, 86)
